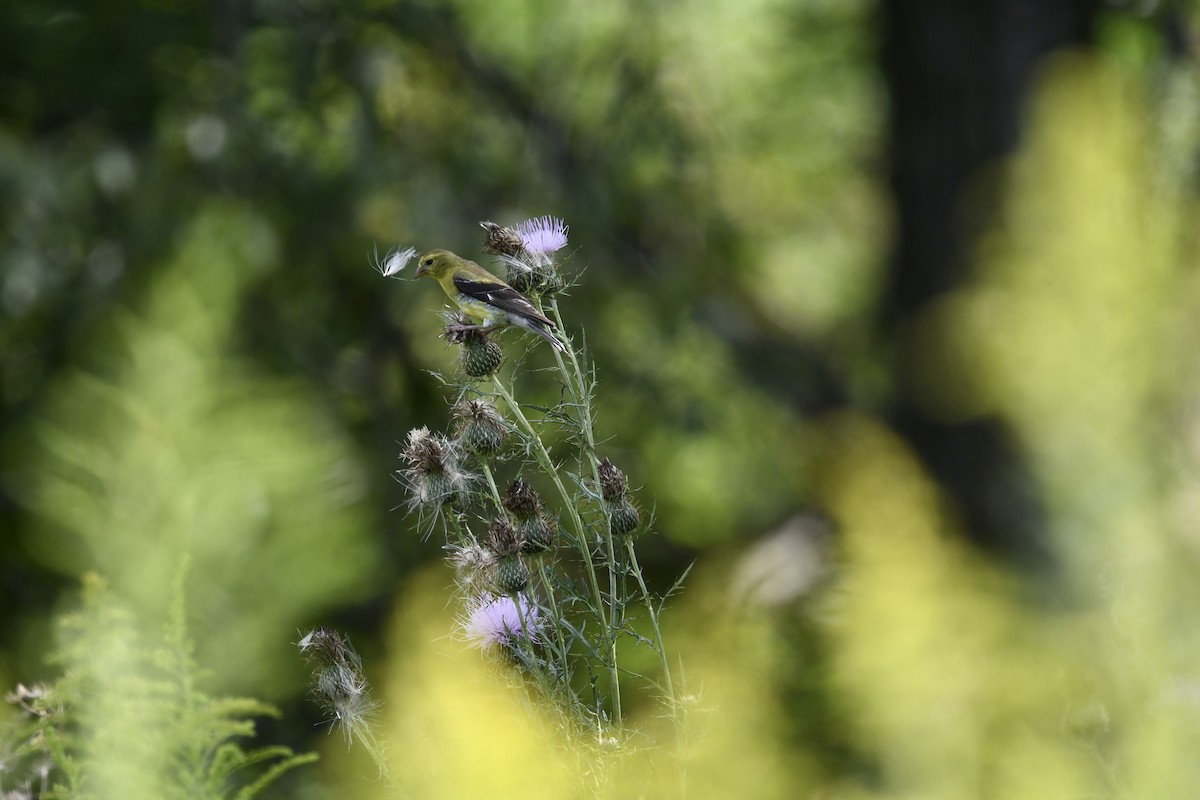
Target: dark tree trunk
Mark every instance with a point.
(958, 76)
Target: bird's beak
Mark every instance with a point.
(421, 272)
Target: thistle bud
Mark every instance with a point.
(480, 356)
(511, 575)
(613, 483)
(623, 517)
(472, 563)
(503, 537)
(481, 429)
(536, 534)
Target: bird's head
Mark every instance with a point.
(436, 263)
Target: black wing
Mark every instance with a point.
(500, 295)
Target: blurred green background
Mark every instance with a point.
(893, 307)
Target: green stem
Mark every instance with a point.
(487, 472)
(668, 683)
(575, 383)
(555, 615)
(525, 645)
(581, 539)
(583, 401)
(636, 569)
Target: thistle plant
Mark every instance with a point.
(540, 526)
(340, 688)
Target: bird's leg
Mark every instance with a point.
(484, 329)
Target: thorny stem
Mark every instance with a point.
(581, 540)
(548, 588)
(583, 399)
(487, 472)
(636, 569)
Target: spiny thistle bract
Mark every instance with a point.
(481, 429)
(512, 575)
(587, 593)
(536, 534)
(501, 241)
(479, 355)
(623, 517)
(534, 530)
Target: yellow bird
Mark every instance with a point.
(483, 297)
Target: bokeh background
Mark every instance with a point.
(893, 306)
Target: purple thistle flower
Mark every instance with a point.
(542, 234)
(496, 621)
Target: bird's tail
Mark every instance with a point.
(545, 333)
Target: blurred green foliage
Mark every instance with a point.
(171, 447)
(196, 358)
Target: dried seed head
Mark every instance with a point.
(324, 647)
(473, 565)
(471, 557)
(521, 500)
(613, 483)
(432, 474)
(338, 683)
(426, 451)
(501, 241)
(458, 327)
(503, 537)
(480, 410)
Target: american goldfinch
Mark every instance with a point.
(484, 297)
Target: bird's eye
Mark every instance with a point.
(428, 262)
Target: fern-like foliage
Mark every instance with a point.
(129, 720)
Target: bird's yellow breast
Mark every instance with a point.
(480, 311)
